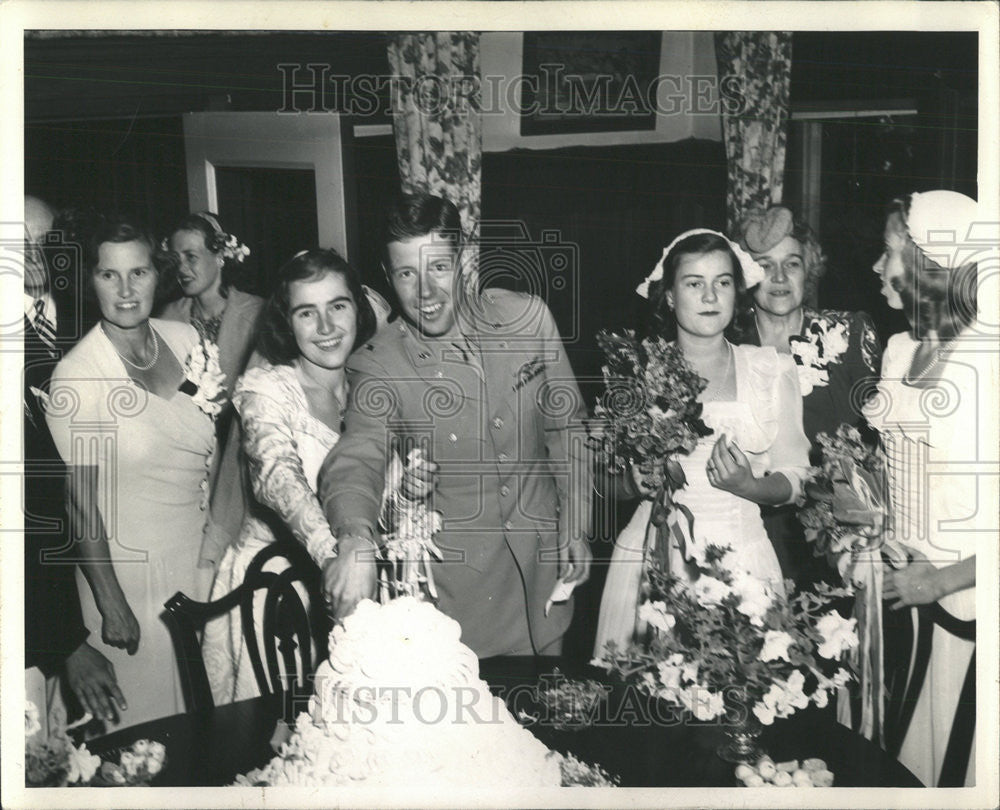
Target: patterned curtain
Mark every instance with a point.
(436, 116)
(755, 135)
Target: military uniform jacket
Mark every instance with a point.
(502, 416)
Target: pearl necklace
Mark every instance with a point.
(137, 366)
(912, 379)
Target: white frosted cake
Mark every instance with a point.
(400, 702)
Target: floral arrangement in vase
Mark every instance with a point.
(730, 644)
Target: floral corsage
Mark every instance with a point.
(204, 381)
(824, 343)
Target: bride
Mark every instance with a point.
(757, 453)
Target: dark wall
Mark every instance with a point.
(617, 207)
(130, 166)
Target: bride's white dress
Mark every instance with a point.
(765, 420)
(285, 446)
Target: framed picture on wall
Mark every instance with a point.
(589, 81)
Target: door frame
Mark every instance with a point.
(275, 141)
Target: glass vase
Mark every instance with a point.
(742, 743)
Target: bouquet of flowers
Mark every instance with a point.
(731, 638)
(650, 405)
(650, 414)
(56, 761)
(844, 517)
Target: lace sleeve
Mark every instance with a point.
(276, 472)
(789, 452)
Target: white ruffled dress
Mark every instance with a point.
(765, 420)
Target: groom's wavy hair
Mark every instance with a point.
(660, 319)
(275, 338)
(410, 216)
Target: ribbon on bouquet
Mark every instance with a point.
(856, 502)
(669, 524)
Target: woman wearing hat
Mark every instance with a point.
(935, 411)
(837, 354)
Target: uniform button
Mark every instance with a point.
(497, 422)
(505, 490)
(502, 457)
(439, 375)
(452, 437)
(508, 525)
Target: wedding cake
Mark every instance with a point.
(399, 702)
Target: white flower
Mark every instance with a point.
(841, 677)
(154, 766)
(157, 751)
(130, 763)
(794, 696)
(32, 719)
(820, 698)
(689, 671)
(782, 698)
(806, 350)
(776, 643)
(141, 747)
(834, 342)
(202, 369)
(811, 377)
(838, 634)
(710, 591)
(82, 764)
(764, 713)
(703, 703)
(755, 596)
(655, 614)
(670, 671)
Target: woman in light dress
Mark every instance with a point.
(209, 263)
(136, 444)
(936, 413)
(757, 454)
(291, 408)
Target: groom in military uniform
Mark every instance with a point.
(482, 382)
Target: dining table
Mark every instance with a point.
(640, 740)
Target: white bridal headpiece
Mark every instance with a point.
(753, 273)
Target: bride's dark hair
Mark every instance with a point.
(660, 318)
(275, 339)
